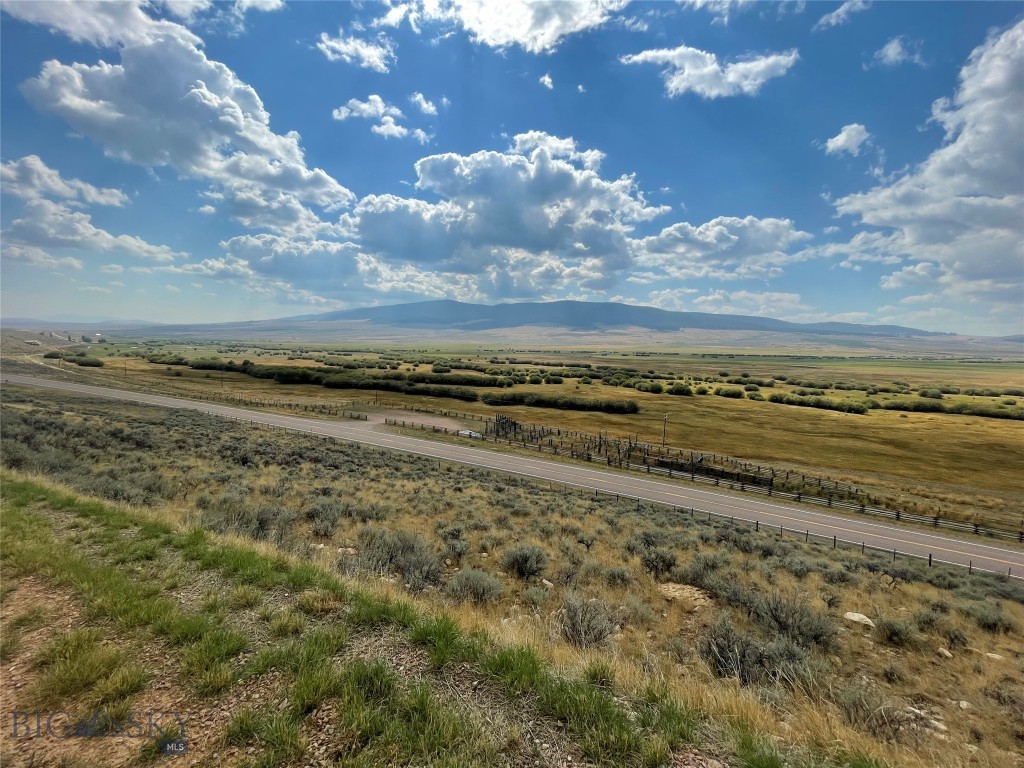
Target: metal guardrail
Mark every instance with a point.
(933, 521)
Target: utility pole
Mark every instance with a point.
(664, 429)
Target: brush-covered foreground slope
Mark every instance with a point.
(316, 603)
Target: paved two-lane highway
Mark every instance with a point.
(1002, 559)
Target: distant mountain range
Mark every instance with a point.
(583, 316)
(457, 316)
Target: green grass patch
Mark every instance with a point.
(313, 650)
(314, 685)
(72, 664)
(317, 602)
(122, 683)
(754, 751)
(444, 641)
(216, 646)
(374, 612)
(215, 679)
(287, 622)
(245, 596)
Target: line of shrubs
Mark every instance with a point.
(1011, 391)
(402, 387)
(824, 403)
(167, 358)
(330, 378)
(965, 409)
(78, 358)
(563, 402)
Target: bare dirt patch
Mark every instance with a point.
(688, 598)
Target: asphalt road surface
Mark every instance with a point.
(906, 541)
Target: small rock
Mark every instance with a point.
(964, 704)
(547, 583)
(945, 654)
(448, 562)
(935, 725)
(483, 554)
(858, 618)
(993, 656)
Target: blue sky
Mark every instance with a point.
(184, 160)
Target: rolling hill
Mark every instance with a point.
(584, 315)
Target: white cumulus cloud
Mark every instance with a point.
(849, 140)
(425, 106)
(258, 5)
(784, 306)
(842, 14)
(520, 222)
(960, 209)
(923, 273)
(899, 50)
(31, 178)
(389, 129)
(186, 10)
(374, 108)
(536, 27)
(388, 115)
(691, 69)
(724, 248)
(167, 104)
(45, 226)
(721, 10)
(99, 22)
(546, 81)
(377, 55)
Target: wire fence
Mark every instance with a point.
(648, 466)
(696, 477)
(756, 526)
